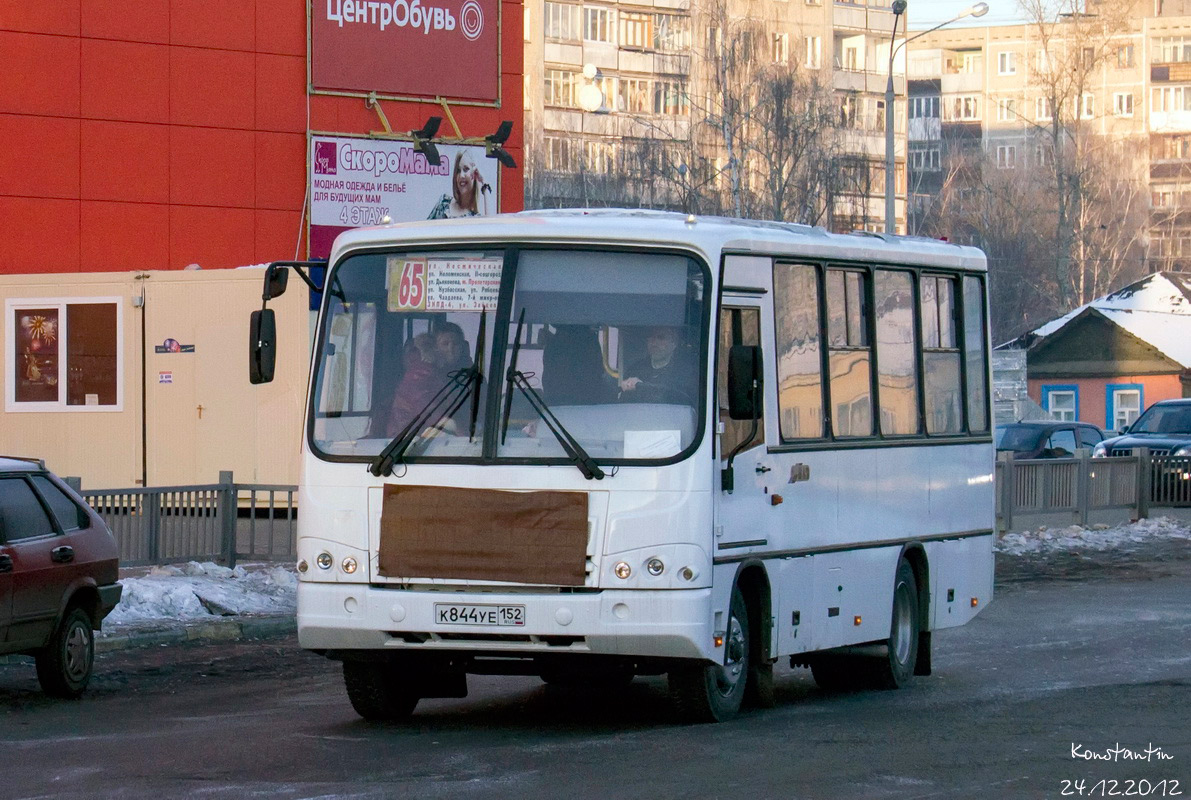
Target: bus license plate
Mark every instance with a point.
(490, 615)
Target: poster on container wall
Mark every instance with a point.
(357, 182)
(430, 48)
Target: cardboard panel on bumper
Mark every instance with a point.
(484, 534)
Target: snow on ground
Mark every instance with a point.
(1094, 538)
(194, 591)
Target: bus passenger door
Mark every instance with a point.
(744, 514)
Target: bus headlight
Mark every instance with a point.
(622, 570)
(655, 567)
(324, 560)
(349, 565)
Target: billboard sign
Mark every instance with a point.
(356, 182)
(436, 48)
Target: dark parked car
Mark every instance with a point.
(1047, 439)
(58, 570)
(1165, 428)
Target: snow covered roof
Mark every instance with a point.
(1155, 309)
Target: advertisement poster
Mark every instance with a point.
(440, 48)
(359, 182)
(37, 355)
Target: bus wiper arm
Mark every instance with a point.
(579, 457)
(445, 402)
(452, 395)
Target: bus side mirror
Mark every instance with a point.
(262, 346)
(744, 382)
(276, 279)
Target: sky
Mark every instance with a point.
(926, 13)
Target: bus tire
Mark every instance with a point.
(378, 691)
(713, 692)
(897, 667)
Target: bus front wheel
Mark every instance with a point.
(378, 691)
(713, 692)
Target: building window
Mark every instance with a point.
(1062, 402)
(1171, 98)
(1007, 109)
(598, 156)
(964, 108)
(1006, 156)
(1043, 109)
(781, 48)
(1007, 63)
(1171, 50)
(1087, 109)
(560, 154)
(671, 32)
(1124, 405)
(1125, 56)
(1042, 155)
(635, 29)
(634, 95)
(670, 98)
(1122, 104)
(814, 52)
(64, 355)
(1041, 62)
(561, 21)
(597, 25)
(925, 160)
(924, 107)
(560, 88)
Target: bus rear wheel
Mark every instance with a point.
(378, 691)
(714, 692)
(897, 667)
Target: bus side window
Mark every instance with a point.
(737, 326)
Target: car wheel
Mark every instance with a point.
(64, 665)
(713, 692)
(378, 691)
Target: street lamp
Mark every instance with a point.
(899, 8)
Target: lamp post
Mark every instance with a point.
(899, 8)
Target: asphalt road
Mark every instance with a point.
(1067, 655)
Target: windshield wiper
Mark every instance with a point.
(445, 402)
(514, 377)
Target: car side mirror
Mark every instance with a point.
(744, 382)
(276, 279)
(262, 346)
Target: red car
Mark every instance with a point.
(58, 570)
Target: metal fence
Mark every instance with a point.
(225, 521)
(1084, 489)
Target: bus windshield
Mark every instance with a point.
(608, 343)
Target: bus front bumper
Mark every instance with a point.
(645, 623)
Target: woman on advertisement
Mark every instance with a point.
(469, 191)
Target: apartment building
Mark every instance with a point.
(990, 90)
(621, 98)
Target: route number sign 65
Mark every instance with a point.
(407, 284)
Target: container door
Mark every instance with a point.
(172, 412)
(745, 512)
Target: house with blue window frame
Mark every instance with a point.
(1106, 361)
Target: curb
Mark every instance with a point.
(157, 633)
(225, 629)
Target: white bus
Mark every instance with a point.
(591, 445)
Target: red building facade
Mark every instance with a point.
(154, 134)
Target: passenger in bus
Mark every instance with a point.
(454, 353)
(665, 375)
(573, 368)
(421, 382)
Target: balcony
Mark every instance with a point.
(857, 16)
(868, 81)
